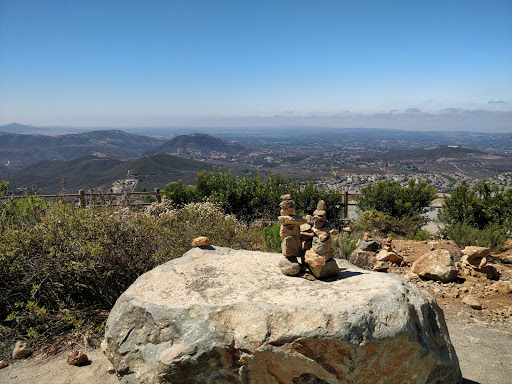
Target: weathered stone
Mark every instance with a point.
(201, 241)
(21, 350)
(284, 220)
(329, 269)
(287, 204)
(289, 212)
(305, 227)
(389, 256)
(77, 358)
(111, 369)
(477, 266)
(367, 236)
(319, 213)
(436, 265)
(289, 266)
(291, 246)
(288, 230)
(363, 259)
(452, 248)
(321, 206)
(313, 259)
(369, 246)
(381, 266)
(472, 302)
(203, 318)
(323, 235)
(307, 235)
(3, 364)
(321, 247)
(474, 252)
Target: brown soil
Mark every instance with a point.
(482, 338)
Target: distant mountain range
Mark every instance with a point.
(19, 150)
(98, 158)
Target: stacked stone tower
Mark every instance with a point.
(306, 242)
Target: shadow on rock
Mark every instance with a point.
(467, 381)
(344, 274)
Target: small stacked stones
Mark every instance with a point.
(291, 243)
(319, 256)
(387, 254)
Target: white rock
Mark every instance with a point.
(222, 316)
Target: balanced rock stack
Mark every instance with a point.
(291, 244)
(306, 242)
(319, 256)
(387, 253)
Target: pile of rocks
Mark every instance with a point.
(306, 241)
(474, 263)
(379, 257)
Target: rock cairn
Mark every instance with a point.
(306, 242)
(387, 253)
(289, 233)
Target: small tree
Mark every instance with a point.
(389, 207)
(391, 198)
(480, 207)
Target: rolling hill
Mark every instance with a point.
(432, 154)
(198, 145)
(19, 150)
(100, 170)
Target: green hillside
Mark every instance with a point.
(101, 171)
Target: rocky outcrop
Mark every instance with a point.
(222, 316)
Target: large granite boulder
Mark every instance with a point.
(223, 316)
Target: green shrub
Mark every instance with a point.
(396, 201)
(421, 236)
(384, 224)
(478, 207)
(344, 244)
(271, 241)
(253, 197)
(481, 215)
(464, 235)
(62, 268)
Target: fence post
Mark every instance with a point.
(157, 195)
(345, 202)
(81, 198)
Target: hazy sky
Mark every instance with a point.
(411, 64)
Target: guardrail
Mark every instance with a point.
(82, 196)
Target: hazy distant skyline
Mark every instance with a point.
(429, 65)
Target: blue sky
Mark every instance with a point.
(424, 65)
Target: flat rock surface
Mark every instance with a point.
(219, 315)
